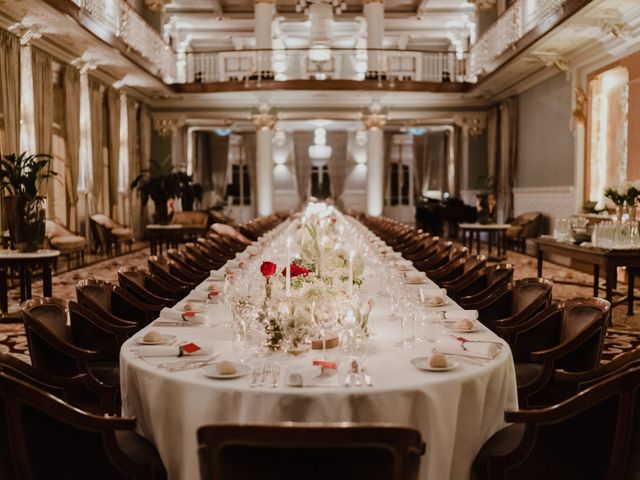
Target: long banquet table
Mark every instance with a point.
(456, 411)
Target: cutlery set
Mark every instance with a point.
(265, 374)
(358, 376)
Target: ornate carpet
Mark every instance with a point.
(624, 336)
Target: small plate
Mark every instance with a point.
(427, 304)
(415, 281)
(166, 339)
(196, 307)
(449, 325)
(211, 371)
(422, 363)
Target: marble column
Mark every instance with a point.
(264, 121)
(374, 15)
(375, 122)
(263, 16)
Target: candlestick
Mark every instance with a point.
(350, 287)
(288, 268)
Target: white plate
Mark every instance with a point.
(211, 371)
(198, 307)
(166, 339)
(427, 304)
(449, 325)
(422, 363)
(415, 281)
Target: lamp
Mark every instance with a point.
(319, 152)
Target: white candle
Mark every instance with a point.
(288, 267)
(350, 287)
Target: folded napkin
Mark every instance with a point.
(415, 277)
(461, 314)
(432, 317)
(197, 295)
(485, 349)
(175, 315)
(313, 376)
(174, 351)
(217, 275)
(429, 292)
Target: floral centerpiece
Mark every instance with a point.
(626, 193)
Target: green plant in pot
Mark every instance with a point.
(21, 177)
(161, 184)
(486, 200)
(190, 192)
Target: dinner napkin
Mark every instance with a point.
(313, 376)
(461, 314)
(174, 351)
(429, 292)
(217, 275)
(486, 350)
(197, 295)
(175, 315)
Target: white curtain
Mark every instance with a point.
(96, 102)
(249, 146)
(135, 219)
(302, 164)
(508, 157)
(113, 148)
(338, 167)
(144, 130)
(43, 114)
(71, 86)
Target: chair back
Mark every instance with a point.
(592, 435)
(291, 451)
(50, 439)
(161, 267)
(49, 336)
(135, 281)
(184, 261)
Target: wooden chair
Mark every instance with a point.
(71, 244)
(68, 345)
(593, 435)
(190, 265)
(199, 251)
(457, 268)
(81, 390)
(138, 282)
(443, 257)
(512, 303)
(42, 437)
(173, 273)
(568, 335)
(108, 234)
(115, 304)
(472, 287)
(291, 451)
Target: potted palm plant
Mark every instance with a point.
(21, 177)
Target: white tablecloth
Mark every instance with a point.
(456, 411)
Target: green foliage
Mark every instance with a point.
(162, 183)
(21, 175)
(615, 196)
(486, 183)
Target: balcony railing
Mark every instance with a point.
(518, 20)
(323, 64)
(121, 20)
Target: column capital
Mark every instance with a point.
(373, 1)
(374, 117)
(256, 2)
(264, 117)
(167, 126)
(156, 5)
(27, 33)
(473, 125)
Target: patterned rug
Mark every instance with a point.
(623, 337)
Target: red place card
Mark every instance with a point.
(190, 348)
(325, 364)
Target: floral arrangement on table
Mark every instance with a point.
(324, 274)
(626, 193)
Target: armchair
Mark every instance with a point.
(526, 225)
(70, 244)
(108, 234)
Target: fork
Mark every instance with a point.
(266, 370)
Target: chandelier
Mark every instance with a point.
(319, 152)
(337, 6)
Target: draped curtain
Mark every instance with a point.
(144, 134)
(337, 165)
(220, 152)
(203, 160)
(302, 163)
(421, 166)
(492, 142)
(135, 219)
(113, 147)
(71, 86)
(95, 109)
(508, 157)
(388, 143)
(10, 91)
(43, 99)
(249, 146)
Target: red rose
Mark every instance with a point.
(296, 270)
(268, 269)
